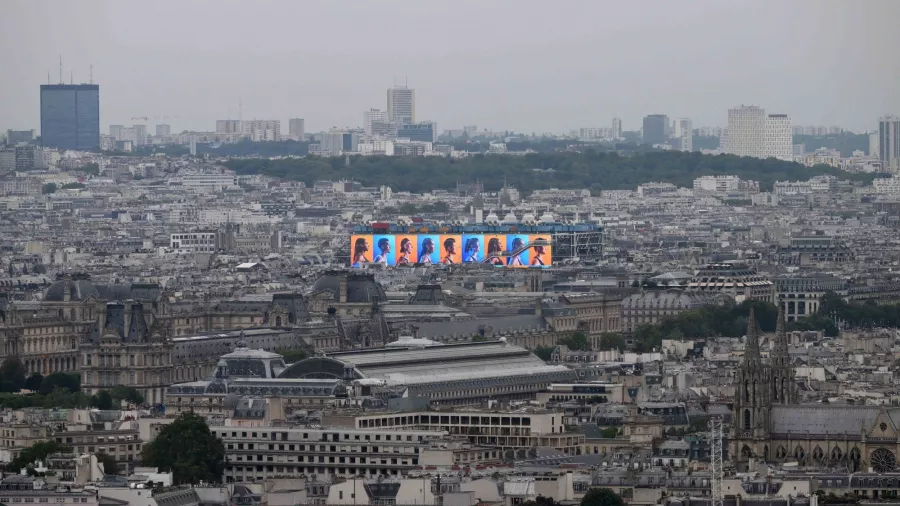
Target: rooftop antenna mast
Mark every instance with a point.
(716, 461)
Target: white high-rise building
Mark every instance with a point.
(779, 137)
(874, 147)
(401, 105)
(262, 129)
(746, 131)
(296, 129)
(616, 128)
(753, 133)
(889, 142)
(684, 130)
(374, 116)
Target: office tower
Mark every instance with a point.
(373, 116)
(401, 105)
(140, 135)
(332, 143)
(426, 131)
(163, 129)
(746, 131)
(779, 137)
(616, 128)
(656, 129)
(296, 129)
(70, 116)
(14, 137)
(889, 142)
(684, 130)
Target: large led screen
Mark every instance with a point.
(506, 250)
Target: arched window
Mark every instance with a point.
(277, 321)
(72, 314)
(746, 419)
(836, 454)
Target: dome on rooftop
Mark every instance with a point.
(360, 287)
(79, 289)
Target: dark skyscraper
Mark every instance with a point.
(656, 129)
(70, 116)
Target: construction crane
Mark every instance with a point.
(716, 462)
(145, 118)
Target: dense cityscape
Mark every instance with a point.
(642, 310)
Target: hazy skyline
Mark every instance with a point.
(520, 65)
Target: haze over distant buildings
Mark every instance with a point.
(520, 70)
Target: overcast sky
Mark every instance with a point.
(525, 65)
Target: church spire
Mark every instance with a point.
(780, 355)
(751, 350)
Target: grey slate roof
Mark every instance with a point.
(491, 326)
(826, 419)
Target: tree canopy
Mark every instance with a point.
(577, 341)
(12, 375)
(593, 169)
(110, 466)
(601, 497)
(35, 452)
(292, 355)
(130, 394)
(188, 449)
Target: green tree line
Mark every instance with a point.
(593, 169)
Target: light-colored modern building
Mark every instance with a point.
(256, 453)
(746, 131)
(779, 137)
(163, 129)
(684, 130)
(616, 128)
(401, 105)
(374, 116)
(889, 142)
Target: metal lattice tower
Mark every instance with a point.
(716, 461)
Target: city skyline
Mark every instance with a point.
(503, 76)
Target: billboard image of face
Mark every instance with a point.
(515, 243)
(362, 249)
(451, 249)
(472, 249)
(428, 250)
(384, 249)
(494, 247)
(406, 249)
(541, 254)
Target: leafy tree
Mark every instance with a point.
(103, 400)
(68, 381)
(34, 382)
(541, 501)
(110, 466)
(130, 394)
(609, 432)
(63, 398)
(12, 375)
(292, 355)
(73, 186)
(612, 341)
(48, 188)
(576, 341)
(601, 497)
(91, 168)
(545, 353)
(188, 449)
(478, 338)
(35, 452)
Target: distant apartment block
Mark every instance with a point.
(374, 116)
(297, 129)
(425, 131)
(656, 129)
(195, 242)
(753, 133)
(163, 129)
(14, 137)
